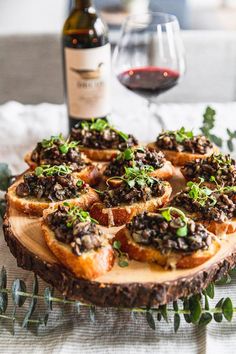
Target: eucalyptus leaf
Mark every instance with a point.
(18, 286)
(186, 307)
(92, 313)
(195, 308)
(48, 293)
(224, 281)
(227, 309)
(150, 320)
(159, 317)
(175, 306)
(210, 290)
(205, 318)
(177, 320)
(29, 313)
(3, 278)
(218, 317)
(3, 302)
(163, 309)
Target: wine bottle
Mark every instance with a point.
(87, 64)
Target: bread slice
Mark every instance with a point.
(220, 229)
(89, 265)
(172, 260)
(217, 228)
(120, 215)
(180, 158)
(100, 154)
(34, 206)
(164, 173)
(90, 174)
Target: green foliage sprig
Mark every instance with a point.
(47, 170)
(64, 145)
(136, 176)
(208, 125)
(76, 213)
(101, 124)
(195, 309)
(169, 213)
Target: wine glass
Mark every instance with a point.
(149, 57)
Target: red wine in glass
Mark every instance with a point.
(149, 81)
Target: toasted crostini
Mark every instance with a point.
(57, 151)
(77, 242)
(181, 146)
(138, 192)
(35, 190)
(215, 169)
(215, 208)
(100, 141)
(169, 239)
(139, 157)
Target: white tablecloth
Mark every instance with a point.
(113, 332)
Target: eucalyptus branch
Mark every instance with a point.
(194, 309)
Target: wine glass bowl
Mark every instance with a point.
(149, 58)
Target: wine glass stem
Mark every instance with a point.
(157, 116)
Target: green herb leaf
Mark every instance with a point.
(123, 263)
(117, 245)
(47, 170)
(166, 215)
(128, 154)
(18, 286)
(163, 309)
(227, 309)
(150, 320)
(3, 302)
(195, 308)
(205, 319)
(176, 322)
(210, 291)
(182, 231)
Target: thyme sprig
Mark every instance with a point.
(102, 124)
(47, 170)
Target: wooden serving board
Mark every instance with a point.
(139, 284)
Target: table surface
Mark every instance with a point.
(112, 332)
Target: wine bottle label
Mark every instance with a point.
(88, 81)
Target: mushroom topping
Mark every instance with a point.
(169, 231)
(53, 183)
(99, 134)
(217, 204)
(57, 151)
(74, 227)
(182, 140)
(217, 168)
(137, 185)
(139, 157)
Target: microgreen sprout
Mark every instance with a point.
(181, 135)
(75, 213)
(122, 257)
(136, 176)
(168, 214)
(102, 124)
(48, 143)
(47, 170)
(202, 194)
(64, 145)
